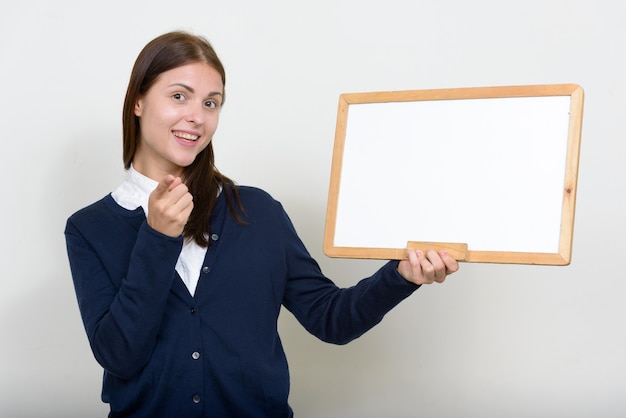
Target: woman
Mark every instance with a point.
(180, 274)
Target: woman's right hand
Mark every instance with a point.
(169, 206)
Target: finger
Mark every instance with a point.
(413, 258)
(177, 190)
(452, 265)
(168, 192)
(182, 204)
(411, 269)
(175, 183)
(414, 269)
(415, 266)
(439, 267)
(428, 271)
(164, 186)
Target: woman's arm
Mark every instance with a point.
(123, 277)
(122, 315)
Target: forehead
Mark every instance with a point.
(198, 75)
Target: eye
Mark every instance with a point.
(179, 97)
(211, 104)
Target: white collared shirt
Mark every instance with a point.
(133, 193)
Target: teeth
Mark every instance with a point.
(185, 135)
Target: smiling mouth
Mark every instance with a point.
(186, 136)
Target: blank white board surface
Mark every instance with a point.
(490, 171)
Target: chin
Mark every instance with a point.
(184, 162)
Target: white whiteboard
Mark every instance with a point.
(493, 169)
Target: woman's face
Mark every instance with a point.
(177, 117)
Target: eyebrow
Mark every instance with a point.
(191, 90)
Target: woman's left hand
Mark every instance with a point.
(429, 267)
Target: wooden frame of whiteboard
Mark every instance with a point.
(462, 251)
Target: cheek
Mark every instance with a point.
(167, 116)
(160, 114)
(155, 126)
(213, 123)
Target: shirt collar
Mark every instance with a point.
(134, 191)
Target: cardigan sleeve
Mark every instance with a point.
(122, 317)
(333, 314)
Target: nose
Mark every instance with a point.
(195, 113)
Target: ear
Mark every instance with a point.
(139, 107)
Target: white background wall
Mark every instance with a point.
(493, 341)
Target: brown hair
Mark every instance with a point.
(204, 181)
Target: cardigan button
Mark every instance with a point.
(206, 269)
(196, 398)
(215, 237)
(195, 355)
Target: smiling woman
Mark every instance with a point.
(180, 274)
(195, 66)
(177, 117)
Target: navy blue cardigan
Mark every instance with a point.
(218, 353)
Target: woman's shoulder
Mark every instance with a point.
(255, 199)
(101, 209)
(251, 192)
